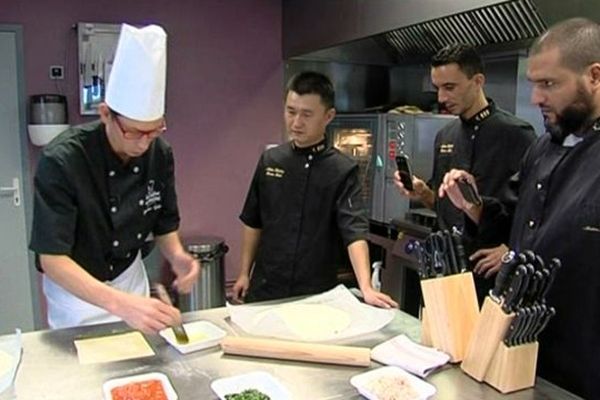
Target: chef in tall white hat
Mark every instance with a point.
(104, 191)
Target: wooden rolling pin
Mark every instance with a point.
(302, 351)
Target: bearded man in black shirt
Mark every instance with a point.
(558, 213)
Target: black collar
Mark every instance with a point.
(314, 149)
(592, 128)
(113, 161)
(482, 115)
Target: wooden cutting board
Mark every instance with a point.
(298, 351)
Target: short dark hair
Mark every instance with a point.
(464, 55)
(310, 82)
(577, 39)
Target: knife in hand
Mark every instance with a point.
(179, 331)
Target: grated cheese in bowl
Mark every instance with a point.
(392, 388)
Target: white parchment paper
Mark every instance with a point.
(266, 321)
(11, 345)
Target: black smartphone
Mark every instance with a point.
(469, 192)
(406, 176)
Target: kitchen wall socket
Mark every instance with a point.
(57, 72)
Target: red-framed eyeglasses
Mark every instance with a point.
(136, 134)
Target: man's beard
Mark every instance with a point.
(573, 119)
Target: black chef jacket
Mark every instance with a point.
(307, 202)
(90, 206)
(490, 146)
(558, 215)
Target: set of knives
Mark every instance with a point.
(440, 254)
(521, 287)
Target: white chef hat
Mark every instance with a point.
(137, 81)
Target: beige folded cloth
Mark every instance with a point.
(406, 354)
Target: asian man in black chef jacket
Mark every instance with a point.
(304, 202)
(558, 212)
(485, 140)
(101, 189)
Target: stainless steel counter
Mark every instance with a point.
(50, 368)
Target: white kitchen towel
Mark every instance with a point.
(10, 357)
(404, 353)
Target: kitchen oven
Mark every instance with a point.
(373, 140)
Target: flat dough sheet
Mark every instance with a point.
(329, 316)
(6, 363)
(313, 321)
(113, 348)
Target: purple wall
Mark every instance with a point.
(225, 78)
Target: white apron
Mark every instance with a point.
(66, 310)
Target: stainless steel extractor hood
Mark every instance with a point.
(515, 22)
(413, 30)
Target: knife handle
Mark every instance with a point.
(414, 246)
(544, 322)
(509, 338)
(525, 324)
(535, 282)
(529, 255)
(452, 259)
(540, 312)
(440, 253)
(534, 312)
(527, 277)
(509, 263)
(553, 266)
(539, 263)
(512, 293)
(459, 251)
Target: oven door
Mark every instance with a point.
(356, 136)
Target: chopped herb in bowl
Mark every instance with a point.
(248, 394)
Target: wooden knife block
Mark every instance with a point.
(425, 331)
(489, 332)
(513, 368)
(452, 311)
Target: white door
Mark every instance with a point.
(16, 305)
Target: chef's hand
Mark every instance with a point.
(419, 187)
(378, 299)
(240, 288)
(186, 269)
(449, 187)
(489, 260)
(145, 314)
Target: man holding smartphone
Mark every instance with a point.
(558, 213)
(485, 140)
